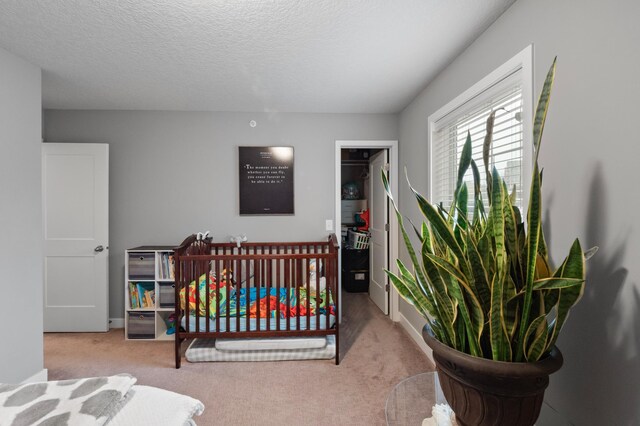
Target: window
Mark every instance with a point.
(507, 91)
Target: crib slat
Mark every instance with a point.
(298, 283)
(228, 287)
(308, 281)
(238, 285)
(188, 305)
(258, 283)
(278, 280)
(287, 283)
(269, 286)
(207, 267)
(218, 279)
(327, 294)
(318, 294)
(198, 272)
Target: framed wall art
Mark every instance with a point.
(266, 180)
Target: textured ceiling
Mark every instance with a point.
(240, 55)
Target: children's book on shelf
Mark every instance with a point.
(142, 295)
(172, 268)
(133, 296)
(149, 298)
(166, 267)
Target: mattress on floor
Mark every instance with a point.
(273, 323)
(203, 350)
(271, 343)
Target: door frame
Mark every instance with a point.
(392, 146)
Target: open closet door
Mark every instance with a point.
(378, 226)
(75, 201)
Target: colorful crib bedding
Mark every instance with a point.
(246, 301)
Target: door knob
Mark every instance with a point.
(98, 249)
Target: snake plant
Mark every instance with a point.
(485, 284)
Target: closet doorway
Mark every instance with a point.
(367, 228)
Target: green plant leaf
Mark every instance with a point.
(510, 231)
(404, 290)
(473, 317)
(449, 268)
(426, 238)
(536, 338)
(463, 199)
(486, 147)
(542, 244)
(478, 207)
(476, 179)
(513, 195)
(421, 304)
(438, 223)
(497, 218)
(533, 228)
(418, 289)
(572, 267)
(465, 161)
(405, 236)
(445, 304)
(551, 297)
(461, 222)
(463, 166)
(543, 270)
(542, 108)
(480, 276)
(498, 338)
(556, 282)
(511, 307)
(500, 347)
(414, 260)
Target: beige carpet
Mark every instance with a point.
(376, 354)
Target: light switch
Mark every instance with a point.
(328, 225)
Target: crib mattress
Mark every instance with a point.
(253, 323)
(269, 343)
(204, 350)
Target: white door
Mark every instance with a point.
(378, 226)
(75, 202)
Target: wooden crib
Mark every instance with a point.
(296, 271)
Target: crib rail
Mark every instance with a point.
(288, 274)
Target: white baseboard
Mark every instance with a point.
(116, 323)
(416, 336)
(40, 376)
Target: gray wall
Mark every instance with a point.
(175, 173)
(590, 156)
(20, 219)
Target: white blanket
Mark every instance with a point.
(66, 402)
(97, 401)
(147, 405)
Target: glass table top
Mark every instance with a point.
(412, 400)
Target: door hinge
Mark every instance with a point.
(386, 227)
(386, 167)
(387, 288)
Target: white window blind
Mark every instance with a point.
(507, 149)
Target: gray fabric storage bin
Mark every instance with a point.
(167, 295)
(141, 325)
(141, 266)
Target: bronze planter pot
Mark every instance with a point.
(483, 392)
